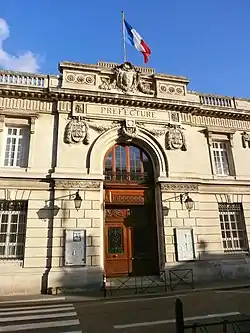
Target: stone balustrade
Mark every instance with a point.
(217, 101)
(23, 79)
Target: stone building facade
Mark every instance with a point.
(163, 174)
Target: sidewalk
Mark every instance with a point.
(98, 295)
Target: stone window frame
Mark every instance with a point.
(221, 135)
(233, 228)
(19, 209)
(22, 119)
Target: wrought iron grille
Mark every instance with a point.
(126, 177)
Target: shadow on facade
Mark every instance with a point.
(209, 270)
(47, 214)
(205, 270)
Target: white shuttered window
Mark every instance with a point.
(16, 147)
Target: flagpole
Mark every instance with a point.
(123, 36)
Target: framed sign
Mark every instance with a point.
(184, 241)
(75, 247)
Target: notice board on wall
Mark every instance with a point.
(75, 247)
(184, 244)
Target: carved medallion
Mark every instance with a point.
(175, 138)
(77, 131)
(127, 79)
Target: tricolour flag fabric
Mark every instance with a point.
(136, 40)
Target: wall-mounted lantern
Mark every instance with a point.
(77, 200)
(43, 212)
(184, 198)
(189, 203)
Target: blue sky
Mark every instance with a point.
(206, 40)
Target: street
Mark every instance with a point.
(134, 315)
(149, 315)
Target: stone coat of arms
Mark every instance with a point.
(126, 78)
(175, 138)
(76, 131)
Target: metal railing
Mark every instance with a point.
(224, 326)
(124, 177)
(134, 284)
(182, 276)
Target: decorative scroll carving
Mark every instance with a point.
(76, 131)
(245, 139)
(175, 138)
(179, 187)
(128, 199)
(117, 212)
(77, 184)
(154, 131)
(103, 127)
(127, 79)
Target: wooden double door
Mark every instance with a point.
(130, 241)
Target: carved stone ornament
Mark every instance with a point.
(129, 129)
(99, 127)
(127, 79)
(175, 138)
(179, 187)
(78, 109)
(77, 131)
(77, 184)
(245, 139)
(154, 131)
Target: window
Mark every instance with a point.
(13, 218)
(16, 147)
(221, 157)
(127, 163)
(233, 229)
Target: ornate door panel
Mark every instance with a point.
(118, 258)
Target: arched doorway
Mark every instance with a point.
(130, 237)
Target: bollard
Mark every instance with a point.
(104, 280)
(179, 318)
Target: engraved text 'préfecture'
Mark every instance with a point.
(124, 112)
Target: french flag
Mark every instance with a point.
(136, 40)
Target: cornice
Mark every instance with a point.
(132, 101)
(24, 92)
(221, 112)
(58, 94)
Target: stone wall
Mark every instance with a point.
(210, 262)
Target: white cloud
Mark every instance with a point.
(26, 62)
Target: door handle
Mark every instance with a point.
(115, 255)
